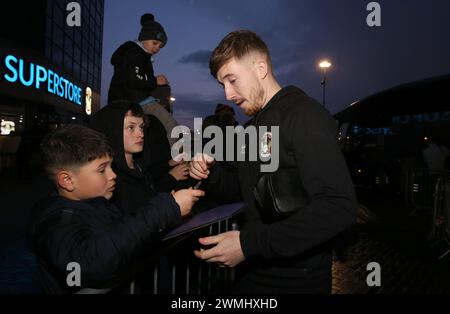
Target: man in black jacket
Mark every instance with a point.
(133, 78)
(293, 254)
(77, 223)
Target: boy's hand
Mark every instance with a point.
(186, 199)
(161, 80)
(180, 172)
(177, 160)
(199, 166)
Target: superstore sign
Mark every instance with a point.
(31, 75)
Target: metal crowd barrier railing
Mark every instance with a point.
(190, 275)
(420, 188)
(440, 226)
(176, 270)
(429, 191)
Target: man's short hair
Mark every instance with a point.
(237, 45)
(72, 146)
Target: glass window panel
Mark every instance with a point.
(91, 80)
(100, 5)
(76, 69)
(68, 63)
(48, 26)
(58, 36)
(91, 53)
(78, 35)
(92, 21)
(48, 48)
(77, 53)
(57, 55)
(68, 46)
(83, 76)
(84, 61)
(68, 31)
(50, 7)
(85, 45)
(59, 16)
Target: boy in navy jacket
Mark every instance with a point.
(78, 224)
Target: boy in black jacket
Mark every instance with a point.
(133, 77)
(77, 223)
(122, 122)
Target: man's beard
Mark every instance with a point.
(257, 98)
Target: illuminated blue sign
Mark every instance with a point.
(422, 118)
(371, 131)
(39, 77)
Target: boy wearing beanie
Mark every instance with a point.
(133, 78)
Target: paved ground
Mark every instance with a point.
(401, 273)
(385, 234)
(397, 242)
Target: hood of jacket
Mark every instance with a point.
(110, 121)
(125, 48)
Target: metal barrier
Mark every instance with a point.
(429, 191)
(190, 275)
(440, 226)
(421, 188)
(176, 270)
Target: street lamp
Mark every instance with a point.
(324, 65)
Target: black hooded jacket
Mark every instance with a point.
(293, 255)
(156, 141)
(96, 235)
(133, 77)
(134, 187)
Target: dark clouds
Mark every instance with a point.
(411, 44)
(200, 57)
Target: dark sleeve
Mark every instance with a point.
(166, 183)
(322, 169)
(139, 72)
(104, 253)
(157, 152)
(222, 185)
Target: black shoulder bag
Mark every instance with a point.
(279, 194)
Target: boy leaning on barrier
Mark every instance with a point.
(77, 224)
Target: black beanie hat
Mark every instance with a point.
(151, 29)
